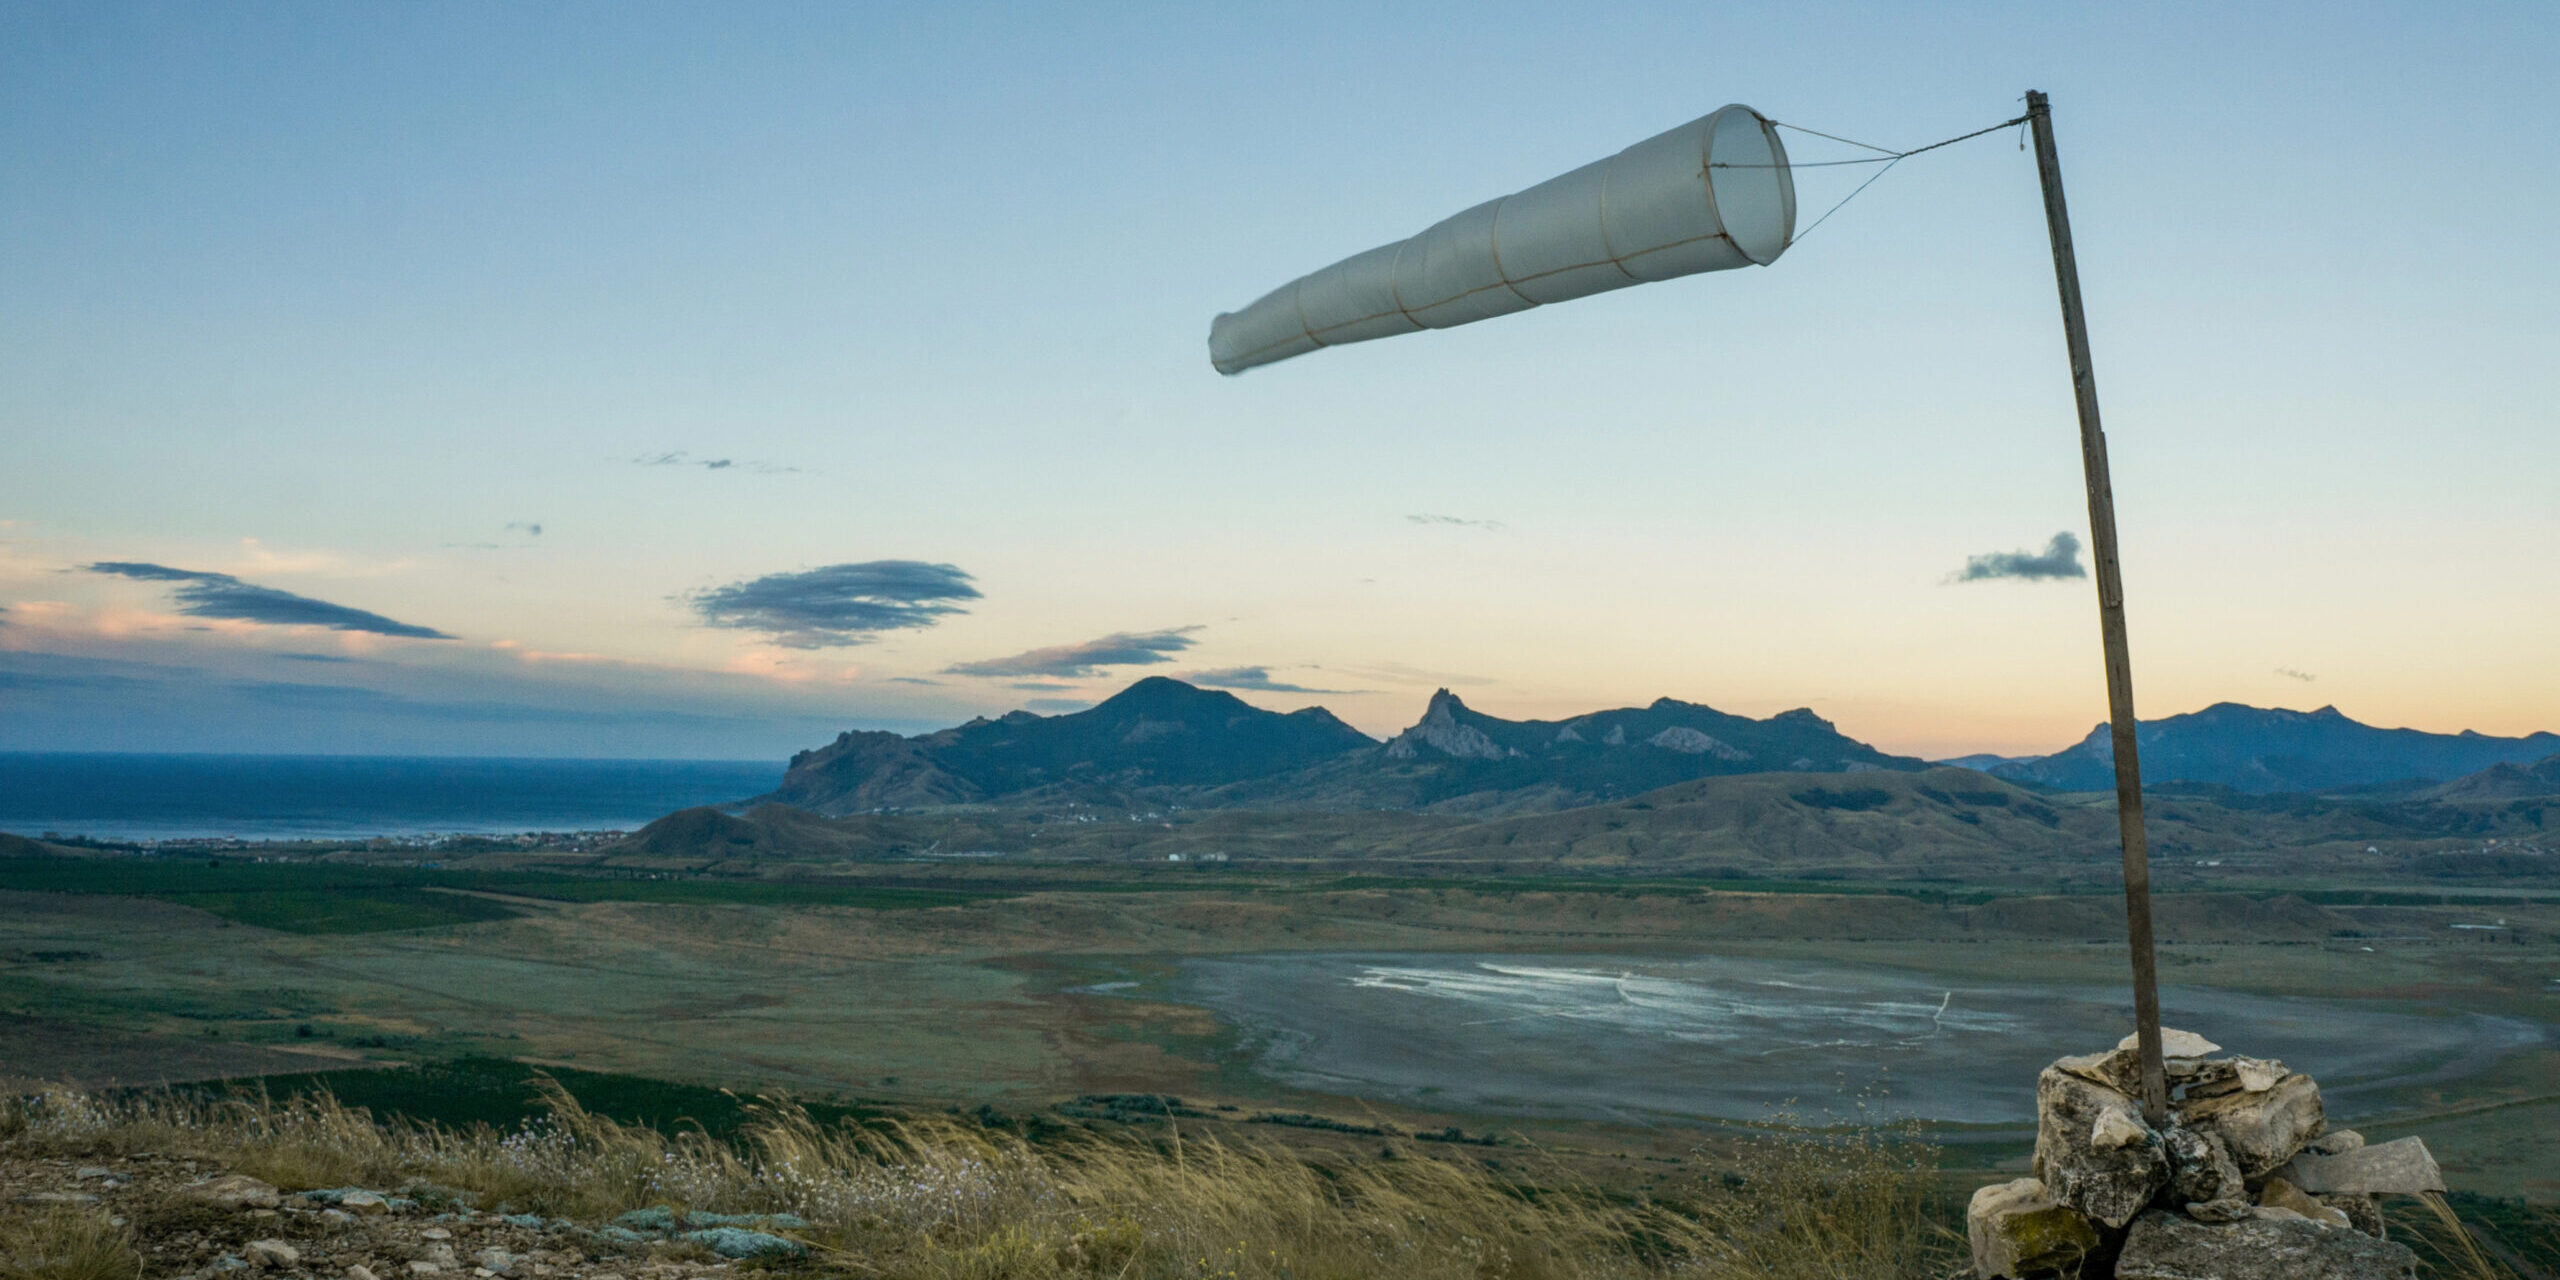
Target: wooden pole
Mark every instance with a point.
(2102, 549)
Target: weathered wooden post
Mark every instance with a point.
(2102, 548)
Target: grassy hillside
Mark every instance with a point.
(321, 897)
(1939, 824)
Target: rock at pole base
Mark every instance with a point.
(2092, 1149)
(2172, 1246)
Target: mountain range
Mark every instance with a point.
(1161, 742)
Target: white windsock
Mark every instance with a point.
(1712, 194)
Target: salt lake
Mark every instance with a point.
(1747, 1039)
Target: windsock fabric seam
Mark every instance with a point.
(1493, 245)
(1395, 268)
(1603, 211)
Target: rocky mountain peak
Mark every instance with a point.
(1442, 731)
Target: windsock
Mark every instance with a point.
(1713, 194)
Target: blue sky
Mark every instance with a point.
(445, 314)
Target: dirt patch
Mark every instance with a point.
(36, 1052)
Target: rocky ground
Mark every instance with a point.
(186, 1218)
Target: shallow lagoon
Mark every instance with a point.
(1742, 1039)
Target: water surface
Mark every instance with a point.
(163, 797)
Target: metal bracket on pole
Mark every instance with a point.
(2102, 549)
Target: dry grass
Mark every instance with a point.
(2449, 1247)
(65, 1242)
(935, 1199)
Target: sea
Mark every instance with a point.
(199, 797)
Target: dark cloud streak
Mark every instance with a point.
(680, 458)
(1462, 522)
(1251, 679)
(839, 604)
(219, 595)
(1074, 661)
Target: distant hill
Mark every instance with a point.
(2261, 751)
(16, 846)
(1154, 736)
(2504, 782)
(1161, 741)
(1940, 824)
(1984, 762)
(769, 831)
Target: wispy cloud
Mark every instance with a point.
(313, 657)
(525, 531)
(1399, 673)
(2291, 674)
(837, 604)
(1250, 678)
(2059, 559)
(914, 680)
(219, 595)
(1043, 686)
(1055, 706)
(1070, 661)
(1462, 522)
(680, 458)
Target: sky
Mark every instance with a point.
(683, 380)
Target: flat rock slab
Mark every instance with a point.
(2262, 1128)
(2401, 1167)
(232, 1191)
(2167, 1246)
(2174, 1044)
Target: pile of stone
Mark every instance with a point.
(2246, 1180)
